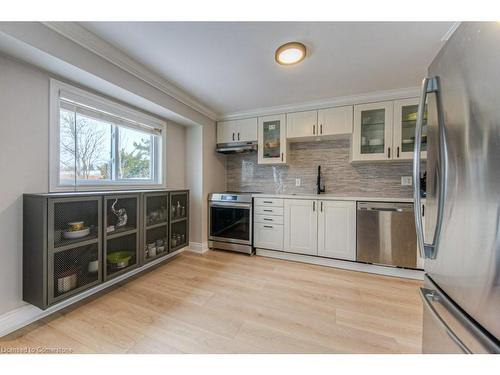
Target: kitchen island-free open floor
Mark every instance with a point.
(222, 302)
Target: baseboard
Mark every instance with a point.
(344, 264)
(198, 247)
(27, 314)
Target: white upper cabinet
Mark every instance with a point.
(247, 130)
(272, 145)
(335, 121)
(302, 124)
(301, 226)
(237, 130)
(226, 131)
(337, 229)
(386, 131)
(405, 119)
(323, 124)
(372, 135)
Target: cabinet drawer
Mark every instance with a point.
(268, 219)
(268, 202)
(268, 236)
(268, 210)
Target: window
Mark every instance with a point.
(101, 144)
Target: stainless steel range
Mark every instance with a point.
(230, 222)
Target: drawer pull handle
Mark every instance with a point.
(268, 202)
(268, 210)
(268, 226)
(266, 219)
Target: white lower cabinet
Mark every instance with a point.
(337, 229)
(268, 223)
(301, 226)
(307, 226)
(268, 236)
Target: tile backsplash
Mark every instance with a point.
(339, 176)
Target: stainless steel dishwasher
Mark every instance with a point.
(386, 234)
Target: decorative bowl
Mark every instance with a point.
(72, 235)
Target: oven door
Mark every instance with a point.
(230, 222)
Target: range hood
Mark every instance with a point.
(236, 147)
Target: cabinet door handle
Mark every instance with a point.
(281, 156)
(397, 152)
(388, 152)
(321, 129)
(423, 210)
(314, 129)
(233, 136)
(268, 226)
(238, 136)
(314, 206)
(321, 206)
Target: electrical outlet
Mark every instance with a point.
(406, 180)
(297, 182)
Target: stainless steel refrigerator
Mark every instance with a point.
(461, 238)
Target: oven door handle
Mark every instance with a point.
(231, 205)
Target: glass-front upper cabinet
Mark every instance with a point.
(272, 139)
(372, 136)
(405, 119)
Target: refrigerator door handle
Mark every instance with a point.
(427, 298)
(429, 85)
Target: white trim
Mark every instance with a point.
(100, 47)
(198, 247)
(96, 101)
(27, 314)
(377, 96)
(347, 265)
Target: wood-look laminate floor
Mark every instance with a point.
(222, 302)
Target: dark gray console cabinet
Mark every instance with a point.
(59, 263)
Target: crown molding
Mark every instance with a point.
(447, 35)
(100, 47)
(376, 96)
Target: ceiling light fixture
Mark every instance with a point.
(290, 53)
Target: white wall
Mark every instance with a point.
(214, 173)
(205, 174)
(176, 155)
(24, 139)
(194, 181)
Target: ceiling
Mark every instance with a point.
(230, 67)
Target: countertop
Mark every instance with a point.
(333, 197)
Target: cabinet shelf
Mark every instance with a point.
(178, 220)
(374, 124)
(177, 247)
(157, 225)
(75, 244)
(159, 255)
(113, 274)
(120, 233)
(77, 290)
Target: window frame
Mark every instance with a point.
(119, 111)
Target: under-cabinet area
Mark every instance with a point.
(75, 241)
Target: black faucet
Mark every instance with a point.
(319, 189)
